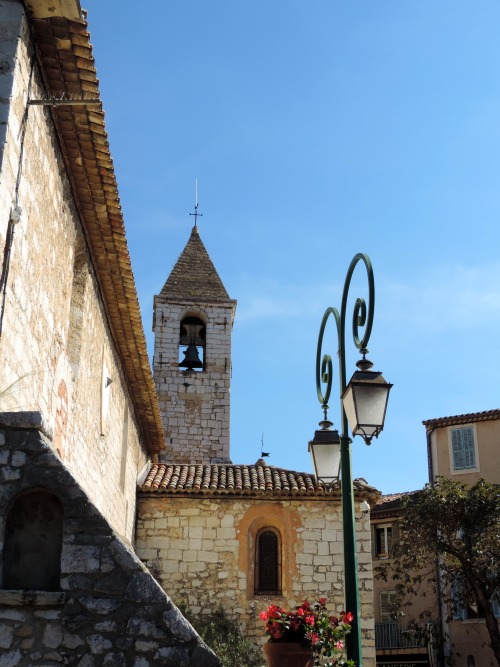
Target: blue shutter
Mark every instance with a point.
(464, 454)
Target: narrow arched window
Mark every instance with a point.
(268, 562)
(192, 344)
(33, 543)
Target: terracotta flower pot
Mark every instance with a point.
(287, 655)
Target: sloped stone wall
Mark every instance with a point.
(110, 610)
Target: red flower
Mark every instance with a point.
(311, 625)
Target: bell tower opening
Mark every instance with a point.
(192, 341)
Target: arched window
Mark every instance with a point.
(268, 562)
(33, 543)
(192, 344)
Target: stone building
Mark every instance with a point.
(79, 415)
(80, 419)
(217, 534)
(193, 320)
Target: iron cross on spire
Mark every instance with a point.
(196, 214)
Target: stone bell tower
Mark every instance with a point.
(192, 322)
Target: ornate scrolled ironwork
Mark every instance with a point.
(362, 317)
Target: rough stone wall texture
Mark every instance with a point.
(55, 337)
(110, 610)
(10, 29)
(194, 405)
(202, 551)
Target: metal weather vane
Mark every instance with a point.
(196, 214)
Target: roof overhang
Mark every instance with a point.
(64, 52)
(45, 9)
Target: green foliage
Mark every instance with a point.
(450, 532)
(224, 637)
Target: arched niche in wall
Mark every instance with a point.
(33, 542)
(258, 520)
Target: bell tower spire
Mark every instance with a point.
(192, 322)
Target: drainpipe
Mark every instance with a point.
(440, 648)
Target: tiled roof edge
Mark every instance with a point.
(487, 415)
(243, 481)
(85, 148)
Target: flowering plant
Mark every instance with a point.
(313, 627)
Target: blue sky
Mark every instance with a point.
(318, 130)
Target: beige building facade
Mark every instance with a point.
(464, 448)
(395, 640)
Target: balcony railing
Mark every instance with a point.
(394, 635)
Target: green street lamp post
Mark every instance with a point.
(363, 404)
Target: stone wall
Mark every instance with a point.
(110, 610)
(10, 28)
(202, 551)
(194, 405)
(56, 349)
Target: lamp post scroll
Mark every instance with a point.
(363, 404)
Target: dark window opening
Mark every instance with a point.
(268, 563)
(383, 540)
(33, 543)
(192, 344)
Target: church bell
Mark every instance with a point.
(192, 334)
(191, 358)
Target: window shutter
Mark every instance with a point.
(462, 442)
(387, 599)
(395, 535)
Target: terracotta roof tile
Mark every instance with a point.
(390, 503)
(194, 276)
(68, 69)
(469, 418)
(238, 480)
